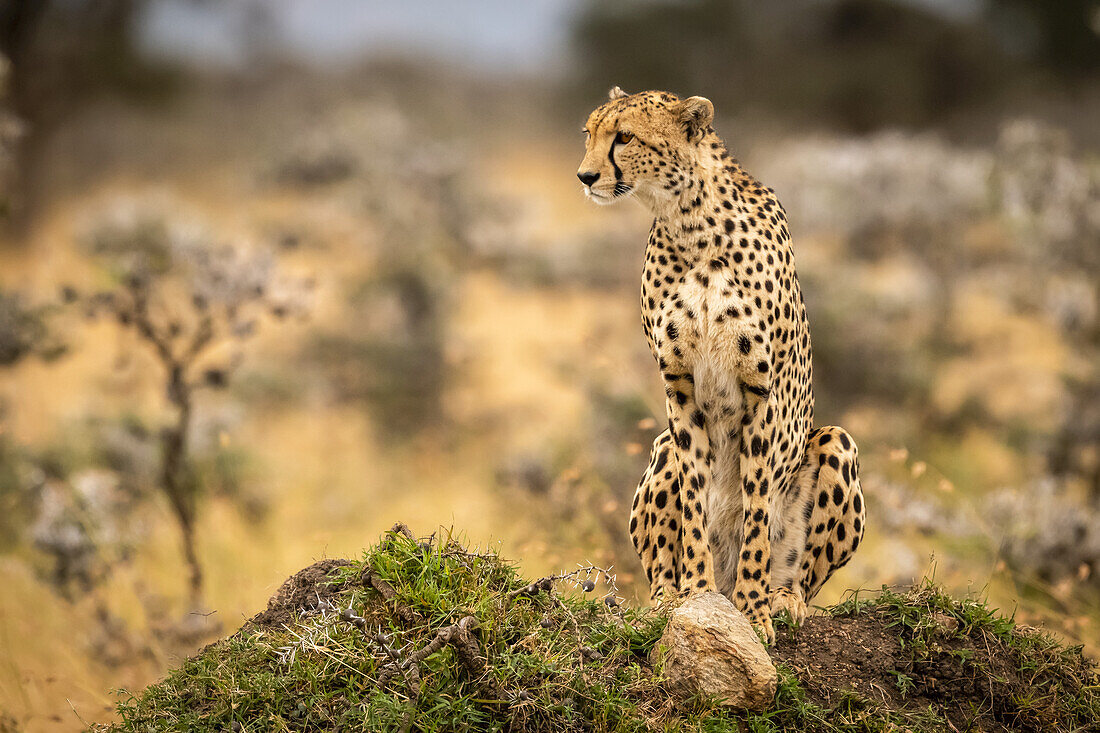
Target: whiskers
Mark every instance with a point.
(622, 189)
(605, 197)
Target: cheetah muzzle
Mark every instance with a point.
(742, 494)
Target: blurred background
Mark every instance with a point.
(275, 274)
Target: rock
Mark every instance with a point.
(710, 648)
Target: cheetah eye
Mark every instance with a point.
(623, 138)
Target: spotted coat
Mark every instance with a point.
(742, 495)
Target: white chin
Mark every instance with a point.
(599, 198)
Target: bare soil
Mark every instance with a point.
(301, 591)
(976, 683)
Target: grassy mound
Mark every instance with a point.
(426, 636)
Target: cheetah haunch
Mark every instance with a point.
(741, 494)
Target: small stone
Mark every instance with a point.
(590, 654)
(947, 625)
(710, 648)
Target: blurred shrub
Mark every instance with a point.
(1048, 533)
(394, 360)
(24, 332)
(86, 525)
(19, 482)
(311, 166)
(410, 186)
(953, 275)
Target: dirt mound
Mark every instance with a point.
(301, 591)
(856, 654)
(542, 655)
(972, 680)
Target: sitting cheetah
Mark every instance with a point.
(742, 495)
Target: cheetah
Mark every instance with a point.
(742, 494)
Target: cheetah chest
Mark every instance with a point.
(693, 332)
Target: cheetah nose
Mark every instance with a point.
(589, 177)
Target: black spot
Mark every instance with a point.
(661, 499)
(744, 344)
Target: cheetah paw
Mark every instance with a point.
(784, 599)
(762, 624)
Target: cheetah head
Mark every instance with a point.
(639, 143)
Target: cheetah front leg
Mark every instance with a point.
(655, 519)
(752, 589)
(694, 460)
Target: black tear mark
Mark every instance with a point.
(611, 157)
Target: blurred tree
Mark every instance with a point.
(1064, 34)
(858, 64)
(63, 53)
(188, 299)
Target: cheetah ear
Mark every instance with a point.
(616, 93)
(696, 114)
